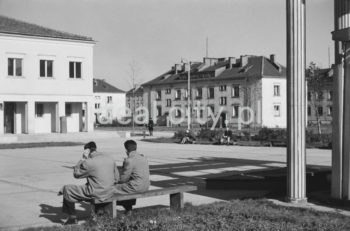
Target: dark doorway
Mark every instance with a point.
(9, 117)
(222, 120)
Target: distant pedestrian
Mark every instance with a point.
(150, 127)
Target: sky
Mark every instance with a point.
(153, 35)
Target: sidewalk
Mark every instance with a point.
(30, 178)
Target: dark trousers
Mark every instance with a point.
(127, 204)
(68, 207)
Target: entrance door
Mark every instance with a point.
(223, 120)
(9, 117)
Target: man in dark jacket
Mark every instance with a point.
(101, 174)
(134, 175)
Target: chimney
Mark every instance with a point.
(186, 67)
(206, 61)
(244, 60)
(231, 62)
(273, 58)
(177, 68)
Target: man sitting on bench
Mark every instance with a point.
(101, 174)
(134, 175)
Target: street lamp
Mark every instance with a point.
(188, 94)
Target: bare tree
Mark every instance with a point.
(315, 93)
(134, 80)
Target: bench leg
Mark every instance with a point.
(177, 201)
(105, 208)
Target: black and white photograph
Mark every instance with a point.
(179, 115)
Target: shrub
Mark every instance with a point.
(267, 134)
(207, 134)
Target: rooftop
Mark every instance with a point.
(17, 27)
(101, 86)
(223, 69)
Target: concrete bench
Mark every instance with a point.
(176, 199)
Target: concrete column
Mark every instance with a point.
(341, 101)
(61, 111)
(296, 101)
(30, 117)
(2, 106)
(89, 116)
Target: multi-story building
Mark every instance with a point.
(228, 86)
(134, 98)
(45, 79)
(109, 102)
(319, 96)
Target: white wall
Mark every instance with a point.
(118, 102)
(269, 100)
(74, 121)
(30, 87)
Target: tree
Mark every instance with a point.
(315, 93)
(134, 80)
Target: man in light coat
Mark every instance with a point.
(101, 174)
(134, 175)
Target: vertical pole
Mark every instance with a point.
(296, 101)
(188, 97)
(346, 124)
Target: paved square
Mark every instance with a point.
(30, 178)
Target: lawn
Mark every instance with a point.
(247, 214)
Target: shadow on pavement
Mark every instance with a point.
(231, 178)
(55, 214)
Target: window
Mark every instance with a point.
(158, 95)
(199, 93)
(46, 68)
(276, 110)
(222, 88)
(329, 95)
(319, 95)
(212, 108)
(329, 110)
(186, 94)
(211, 93)
(320, 111)
(309, 96)
(168, 91)
(309, 111)
(98, 98)
(168, 102)
(39, 109)
(159, 111)
(235, 91)
(14, 67)
(75, 70)
(68, 109)
(178, 94)
(235, 111)
(178, 112)
(109, 99)
(223, 100)
(276, 90)
(97, 106)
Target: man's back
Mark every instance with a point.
(135, 173)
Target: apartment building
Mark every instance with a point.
(45, 78)
(249, 88)
(109, 102)
(320, 96)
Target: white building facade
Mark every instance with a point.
(45, 80)
(109, 102)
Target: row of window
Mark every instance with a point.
(199, 92)
(319, 95)
(46, 67)
(109, 99)
(320, 111)
(39, 109)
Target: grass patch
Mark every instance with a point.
(234, 215)
(39, 145)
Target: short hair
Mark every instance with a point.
(91, 145)
(130, 145)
